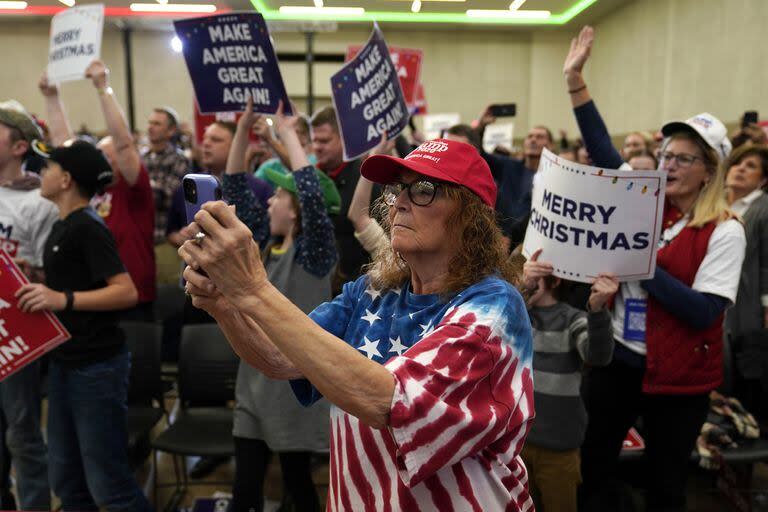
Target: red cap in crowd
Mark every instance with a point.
(444, 160)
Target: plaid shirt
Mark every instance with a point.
(166, 169)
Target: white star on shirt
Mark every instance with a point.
(425, 329)
(373, 293)
(410, 315)
(370, 317)
(397, 346)
(371, 348)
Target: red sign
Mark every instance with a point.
(420, 105)
(203, 121)
(407, 62)
(633, 441)
(24, 337)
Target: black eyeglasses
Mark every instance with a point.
(683, 160)
(420, 192)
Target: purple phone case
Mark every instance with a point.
(208, 189)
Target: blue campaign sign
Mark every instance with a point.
(368, 99)
(230, 58)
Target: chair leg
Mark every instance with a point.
(184, 474)
(153, 467)
(178, 492)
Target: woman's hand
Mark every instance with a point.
(581, 47)
(227, 253)
(603, 288)
(38, 297)
(533, 270)
(204, 293)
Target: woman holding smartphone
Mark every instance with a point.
(299, 260)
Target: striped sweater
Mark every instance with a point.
(564, 340)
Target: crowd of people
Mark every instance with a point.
(380, 307)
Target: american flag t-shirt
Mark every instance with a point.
(462, 404)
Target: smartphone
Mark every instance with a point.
(750, 117)
(503, 109)
(199, 189)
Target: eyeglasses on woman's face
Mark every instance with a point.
(420, 192)
(684, 160)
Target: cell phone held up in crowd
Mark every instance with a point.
(199, 189)
(750, 117)
(503, 109)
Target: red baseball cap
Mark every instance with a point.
(445, 160)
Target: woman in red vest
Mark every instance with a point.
(669, 329)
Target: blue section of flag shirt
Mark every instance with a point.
(383, 325)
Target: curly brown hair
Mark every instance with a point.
(482, 251)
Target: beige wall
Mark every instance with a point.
(654, 60)
(669, 59)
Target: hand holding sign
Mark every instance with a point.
(603, 289)
(285, 121)
(46, 88)
(24, 337)
(38, 297)
(533, 270)
(368, 98)
(384, 147)
(98, 72)
(590, 220)
(248, 120)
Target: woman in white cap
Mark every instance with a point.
(669, 329)
(426, 359)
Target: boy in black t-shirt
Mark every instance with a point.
(85, 283)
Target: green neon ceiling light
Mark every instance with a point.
(423, 17)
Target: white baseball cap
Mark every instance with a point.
(706, 126)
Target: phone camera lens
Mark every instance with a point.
(190, 191)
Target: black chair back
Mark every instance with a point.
(207, 367)
(169, 302)
(144, 341)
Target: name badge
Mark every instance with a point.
(634, 319)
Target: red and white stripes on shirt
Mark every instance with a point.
(461, 409)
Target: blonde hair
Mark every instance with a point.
(710, 205)
(647, 139)
(481, 249)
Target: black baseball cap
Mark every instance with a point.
(84, 161)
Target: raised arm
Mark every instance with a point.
(126, 154)
(593, 129)
(316, 246)
(236, 158)
(58, 123)
(286, 128)
(360, 206)
(263, 130)
(235, 181)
